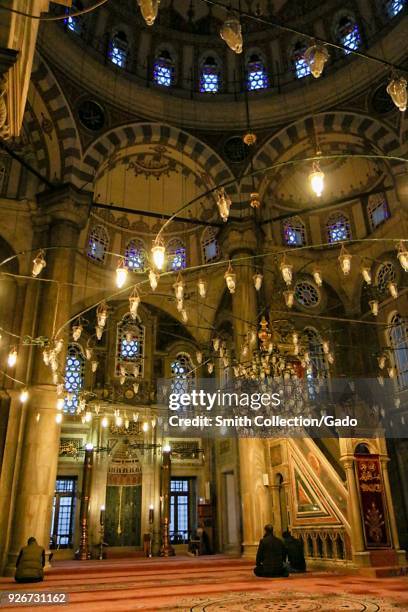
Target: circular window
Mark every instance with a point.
(91, 115)
(381, 101)
(385, 274)
(235, 150)
(306, 294)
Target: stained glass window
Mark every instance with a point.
(130, 346)
(338, 228)
(119, 49)
(394, 7)
(398, 337)
(98, 243)
(294, 232)
(257, 77)
(163, 69)
(348, 34)
(210, 76)
(135, 255)
(209, 245)
(385, 275)
(300, 64)
(74, 376)
(176, 255)
(306, 294)
(182, 374)
(377, 209)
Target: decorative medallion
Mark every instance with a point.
(91, 115)
(154, 164)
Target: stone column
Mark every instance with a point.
(360, 555)
(64, 212)
(98, 485)
(256, 507)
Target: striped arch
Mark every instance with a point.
(376, 136)
(54, 125)
(213, 169)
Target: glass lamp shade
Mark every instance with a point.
(381, 361)
(153, 280)
(316, 57)
(121, 274)
(317, 276)
(397, 89)
(149, 10)
(12, 357)
(216, 344)
(255, 202)
(345, 261)
(39, 264)
(366, 274)
(393, 289)
(316, 179)
(184, 316)
(258, 278)
(102, 314)
(94, 366)
(224, 204)
(289, 297)
(202, 287)
(403, 256)
(76, 332)
(199, 357)
(134, 301)
(326, 347)
(231, 33)
(179, 288)
(180, 305)
(98, 332)
(287, 272)
(158, 254)
(230, 279)
(374, 307)
(210, 367)
(23, 396)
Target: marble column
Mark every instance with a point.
(61, 214)
(360, 555)
(256, 504)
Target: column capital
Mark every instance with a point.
(63, 204)
(239, 237)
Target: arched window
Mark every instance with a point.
(294, 232)
(176, 255)
(348, 34)
(338, 228)
(98, 243)
(119, 49)
(377, 209)
(317, 370)
(129, 347)
(74, 376)
(182, 373)
(307, 294)
(301, 66)
(135, 255)
(257, 77)
(398, 339)
(385, 275)
(163, 69)
(210, 76)
(74, 24)
(209, 245)
(394, 7)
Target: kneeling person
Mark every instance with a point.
(30, 563)
(296, 556)
(271, 556)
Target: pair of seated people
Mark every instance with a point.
(276, 557)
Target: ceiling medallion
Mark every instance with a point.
(152, 164)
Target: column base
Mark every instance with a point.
(249, 550)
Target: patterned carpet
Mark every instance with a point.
(210, 584)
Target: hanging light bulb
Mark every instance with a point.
(316, 179)
(345, 261)
(76, 332)
(149, 10)
(397, 89)
(98, 332)
(403, 256)
(158, 253)
(121, 273)
(199, 357)
(39, 263)
(179, 288)
(289, 296)
(60, 403)
(88, 353)
(210, 367)
(145, 426)
(223, 203)
(317, 277)
(257, 278)
(216, 343)
(153, 280)
(184, 316)
(24, 396)
(381, 361)
(230, 278)
(366, 274)
(58, 418)
(102, 314)
(94, 366)
(393, 289)
(231, 33)
(316, 57)
(374, 307)
(202, 287)
(12, 357)
(287, 272)
(134, 301)
(255, 202)
(104, 422)
(88, 417)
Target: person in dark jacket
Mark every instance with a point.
(271, 556)
(30, 563)
(296, 556)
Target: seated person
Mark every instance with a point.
(30, 563)
(271, 556)
(296, 556)
(199, 543)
